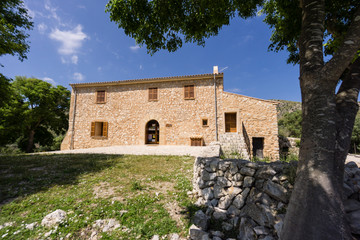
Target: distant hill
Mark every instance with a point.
(285, 106)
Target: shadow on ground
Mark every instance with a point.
(23, 175)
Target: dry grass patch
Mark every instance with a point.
(146, 194)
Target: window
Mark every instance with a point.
(204, 122)
(99, 129)
(196, 141)
(230, 122)
(189, 92)
(153, 94)
(100, 96)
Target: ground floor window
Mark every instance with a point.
(99, 129)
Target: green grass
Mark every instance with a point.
(138, 191)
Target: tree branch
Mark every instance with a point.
(346, 52)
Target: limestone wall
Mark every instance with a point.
(257, 117)
(127, 110)
(247, 200)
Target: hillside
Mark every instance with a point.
(285, 106)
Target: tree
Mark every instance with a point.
(290, 124)
(36, 110)
(14, 21)
(316, 210)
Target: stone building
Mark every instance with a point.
(185, 110)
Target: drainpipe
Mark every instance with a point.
(215, 71)
(73, 122)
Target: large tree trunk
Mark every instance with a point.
(30, 144)
(316, 208)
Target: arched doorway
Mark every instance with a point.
(152, 132)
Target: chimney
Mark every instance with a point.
(215, 70)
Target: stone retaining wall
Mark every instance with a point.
(247, 200)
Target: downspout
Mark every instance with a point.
(216, 119)
(73, 122)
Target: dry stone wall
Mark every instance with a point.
(247, 200)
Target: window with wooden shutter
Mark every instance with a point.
(93, 129)
(105, 129)
(100, 96)
(230, 122)
(153, 94)
(189, 92)
(99, 129)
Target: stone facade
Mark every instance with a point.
(127, 110)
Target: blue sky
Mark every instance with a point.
(74, 41)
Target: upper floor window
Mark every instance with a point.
(153, 94)
(230, 122)
(189, 92)
(205, 122)
(100, 96)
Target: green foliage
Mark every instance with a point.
(355, 137)
(285, 19)
(167, 24)
(37, 112)
(135, 185)
(290, 124)
(14, 21)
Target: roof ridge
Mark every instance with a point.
(147, 79)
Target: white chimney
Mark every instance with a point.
(216, 70)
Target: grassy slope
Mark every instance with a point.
(92, 187)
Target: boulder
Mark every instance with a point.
(354, 221)
(196, 233)
(246, 229)
(260, 213)
(200, 220)
(225, 202)
(248, 181)
(247, 171)
(265, 172)
(54, 218)
(351, 205)
(276, 191)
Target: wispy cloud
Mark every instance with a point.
(223, 69)
(74, 59)
(49, 80)
(141, 67)
(134, 48)
(78, 77)
(52, 10)
(234, 90)
(246, 39)
(41, 28)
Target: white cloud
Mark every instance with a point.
(70, 40)
(41, 28)
(235, 90)
(99, 69)
(52, 11)
(223, 69)
(134, 48)
(78, 77)
(74, 59)
(49, 80)
(141, 67)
